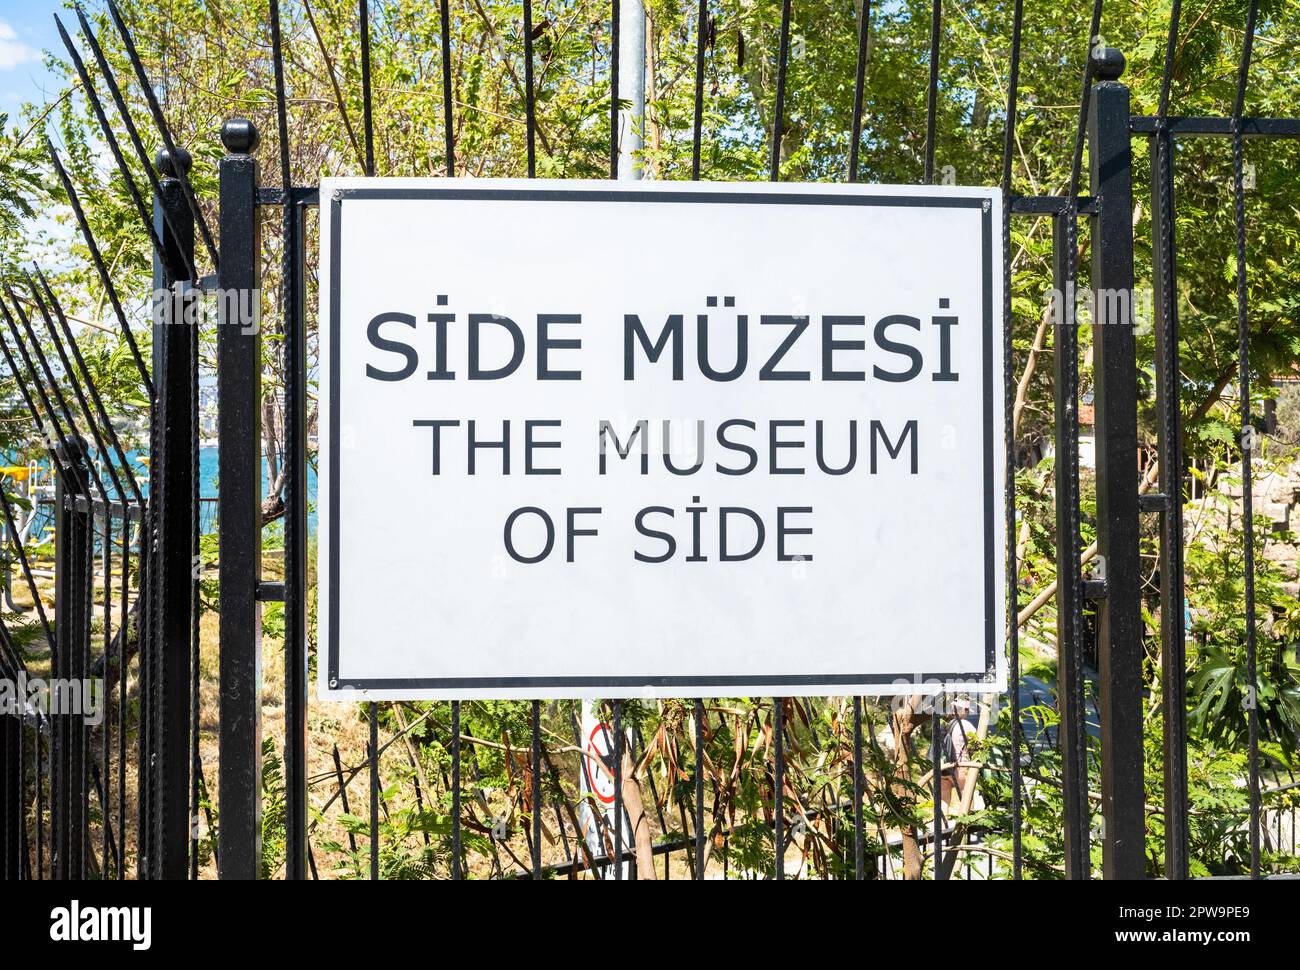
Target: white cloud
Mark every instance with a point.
(14, 52)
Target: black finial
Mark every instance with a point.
(72, 449)
(240, 136)
(1108, 63)
(164, 162)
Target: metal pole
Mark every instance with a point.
(631, 87)
(1173, 652)
(631, 120)
(71, 603)
(239, 433)
(1115, 368)
(295, 540)
(171, 497)
(1069, 594)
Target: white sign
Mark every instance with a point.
(659, 439)
(597, 810)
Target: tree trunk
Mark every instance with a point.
(645, 860)
(905, 722)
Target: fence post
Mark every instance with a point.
(72, 565)
(171, 483)
(239, 435)
(1115, 378)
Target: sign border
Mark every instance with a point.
(919, 681)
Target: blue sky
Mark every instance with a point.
(26, 31)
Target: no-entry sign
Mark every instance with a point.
(659, 439)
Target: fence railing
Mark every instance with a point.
(133, 561)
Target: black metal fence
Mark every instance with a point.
(138, 558)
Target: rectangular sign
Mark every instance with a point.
(659, 439)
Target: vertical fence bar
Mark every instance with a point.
(368, 123)
(39, 760)
(778, 110)
(936, 781)
(1008, 368)
(699, 790)
(145, 689)
(196, 573)
(456, 866)
(24, 838)
(1247, 436)
(73, 570)
(615, 15)
(1069, 594)
(778, 736)
(1173, 656)
(372, 712)
(12, 807)
(859, 87)
(372, 752)
(1169, 415)
(535, 789)
(106, 721)
(617, 749)
(449, 132)
(123, 657)
(535, 726)
(239, 430)
(12, 802)
(932, 88)
(778, 784)
(295, 530)
(9, 785)
(293, 354)
(1119, 612)
(859, 785)
(85, 533)
(701, 45)
(697, 130)
(530, 101)
(367, 110)
(170, 495)
(450, 148)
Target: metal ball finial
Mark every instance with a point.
(240, 136)
(1108, 63)
(164, 162)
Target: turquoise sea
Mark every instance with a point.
(208, 482)
(208, 471)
